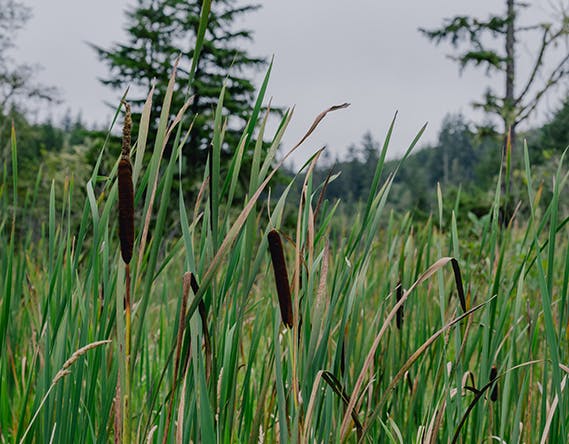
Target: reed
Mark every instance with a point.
(126, 191)
(126, 237)
(221, 369)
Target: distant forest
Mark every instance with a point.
(464, 161)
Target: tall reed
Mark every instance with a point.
(126, 237)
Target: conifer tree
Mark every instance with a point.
(161, 30)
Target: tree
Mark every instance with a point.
(161, 30)
(17, 80)
(473, 38)
(553, 137)
(458, 153)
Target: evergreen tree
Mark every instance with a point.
(161, 30)
(458, 153)
(553, 136)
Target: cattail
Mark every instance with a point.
(126, 192)
(281, 277)
(493, 376)
(400, 313)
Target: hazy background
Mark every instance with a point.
(368, 53)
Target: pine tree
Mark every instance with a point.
(161, 30)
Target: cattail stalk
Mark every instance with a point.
(126, 192)
(281, 277)
(126, 237)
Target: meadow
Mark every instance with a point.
(364, 327)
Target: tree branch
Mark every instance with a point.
(556, 75)
(536, 66)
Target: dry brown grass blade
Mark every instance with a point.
(553, 408)
(432, 431)
(154, 185)
(181, 327)
(321, 303)
(322, 194)
(306, 200)
(201, 192)
(181, 406)
(319, 118)
(148, 216)
(142, 135)
(369, 358)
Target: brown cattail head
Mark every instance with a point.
(126, 193)
(493, 376)
(281, 277)
(400, 313)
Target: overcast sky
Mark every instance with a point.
(366, 52)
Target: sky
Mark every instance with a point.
(365, 52)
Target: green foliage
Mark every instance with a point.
(474, 297)
(160, 31)
(460, 159)
(49, 155)
(553, 136)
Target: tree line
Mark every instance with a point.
(162, 31)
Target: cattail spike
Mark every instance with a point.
(400, 313)
(493, 376)
(281, 277)
(126, 193)
(127, 128)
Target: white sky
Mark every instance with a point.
(366, 52)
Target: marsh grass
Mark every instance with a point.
(481, 354)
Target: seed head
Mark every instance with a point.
(126, 193)
(281, 277)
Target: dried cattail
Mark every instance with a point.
(281, 277)
(126, 193)
(400, 313)
(493, 376)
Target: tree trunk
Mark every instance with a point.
(509, 99)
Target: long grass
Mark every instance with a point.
(399, 332)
